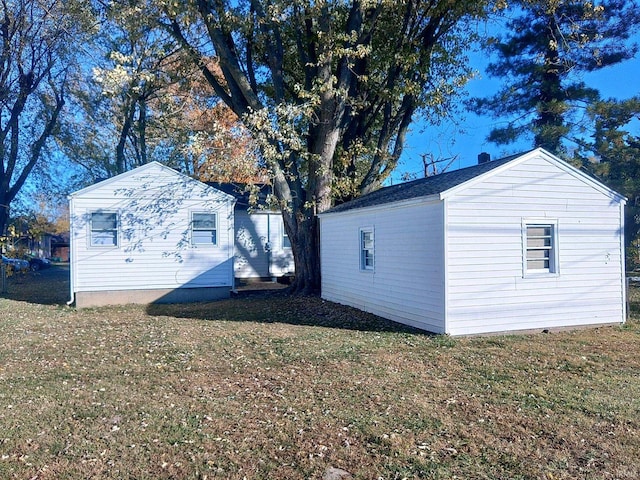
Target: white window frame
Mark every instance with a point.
(215, 229)
(286, 241)
(553, 248)
(116, 230)
(363, 251)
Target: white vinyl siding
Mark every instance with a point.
(407, 283)
(204, 229)
(487, 289)
(154, 233)
(367, 249)
(104, 229)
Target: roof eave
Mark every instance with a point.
(385, 206)
(538, 152)
(142, 169)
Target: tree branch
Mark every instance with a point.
(38, 145)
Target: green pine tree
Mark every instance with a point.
(549, 44)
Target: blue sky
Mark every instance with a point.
(468, 138)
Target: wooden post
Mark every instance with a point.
(629, 280)
(627, 297)
(3, 278)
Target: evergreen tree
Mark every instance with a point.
(613, 154)
(549, 44)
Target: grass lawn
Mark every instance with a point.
(283, 388)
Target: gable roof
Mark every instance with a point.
(147, 168)
(422, 187)
(445, 182)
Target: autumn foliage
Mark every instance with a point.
(220, 148)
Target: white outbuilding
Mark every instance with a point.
(527, 242)
(150, 235)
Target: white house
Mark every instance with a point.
(526, 242)
(150, 235)
(262, 249)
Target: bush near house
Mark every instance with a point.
(279, 387)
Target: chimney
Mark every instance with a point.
(484, 157)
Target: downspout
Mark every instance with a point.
(269, 248)
(71, 255)
(623, 263)
(270, 254)
(445, 265)
(232, 246)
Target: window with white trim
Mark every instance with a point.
(367, 249)
(286, 243)
(204, 229)
(540, 247)
(104, 229)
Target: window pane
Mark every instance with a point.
(539, 231)
(204, 236)
(204, 221)
(203, 229)
(542, 264)
(540, 248)
(367, 240)
(539, 242)
(366, 250)
(107, 239)
(103, 221)
(537, 254)
(104, 229)
(286, 243)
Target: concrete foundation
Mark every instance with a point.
(121, 297)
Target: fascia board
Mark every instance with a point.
(143, 169)
(539, 153)
(117, 178)
(580, 175)
(384, 206)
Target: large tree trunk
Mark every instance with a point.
(302, 227)
(299, 84)
(306, 254)
(121, 161)
(550, 121)
(4, 215)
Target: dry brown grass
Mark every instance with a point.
(282, 388)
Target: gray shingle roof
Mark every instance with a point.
(422, 187)
(241, 193)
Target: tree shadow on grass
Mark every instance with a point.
(44, 287)
(281, 307)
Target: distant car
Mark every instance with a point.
(36, 263)
(16, 263)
